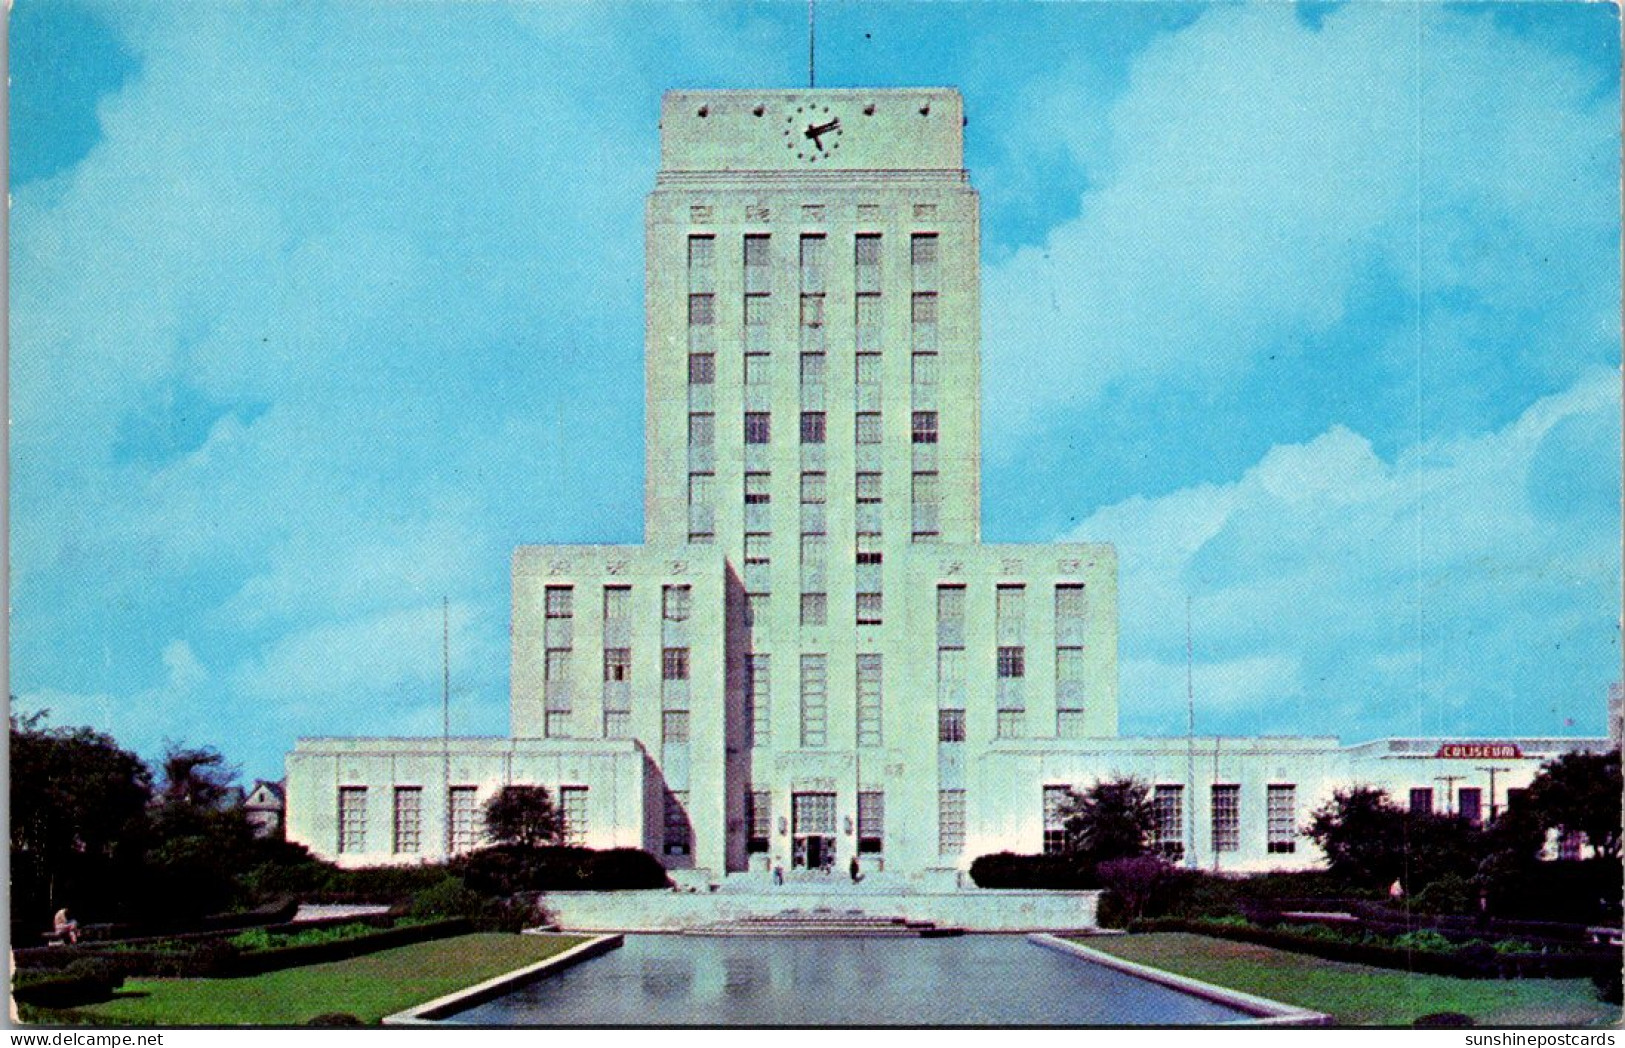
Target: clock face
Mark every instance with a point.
(812, 133)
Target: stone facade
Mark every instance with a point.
(813, 657)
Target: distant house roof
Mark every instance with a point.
(266, 794)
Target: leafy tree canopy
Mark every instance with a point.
(1113, 819)
(523, 815)
(1580, 793)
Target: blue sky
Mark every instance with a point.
(318, 310)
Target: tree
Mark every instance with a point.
(201, 840)
(523, 816)
(1110, 820)
(1362, 835)
(78, 818)
(1579, 793)
(1135, 882)
(198, 777)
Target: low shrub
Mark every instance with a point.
(85, 981)
(508, 869)
(1009, 870)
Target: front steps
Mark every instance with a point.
(823, 921)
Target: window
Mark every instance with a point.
(573, 814)
(812, 489)
(814, 701)
(868, 488)
(675, 603)
(922, 251)
(869, 700)
(617, 724)
(812, 427)
(1056, 799)
(866, 258)
(673, 727)
(812, 263)
(925, 427)
(1012, 663)
(871, 821)
(757, 369)
(1168, 833)
(352, 819)
(757, 545)
(950, 822)
(702, 310)
(678, 835)
(1226, 818)
(556, 724)
(408, 820)
(758, 698)
(923, 507)
(756, 608)
(868, 547)
(758, 821)
(617, 664)
(867, 324)
(758, 427)
(1422, 801)
(925, 369)
(757, 260)
(1470, 804)
(674, 664)
(869, 609)
(617, 602)
(1010, 604)
(812, 369)
(559, 605)
(951, 665)
(702, 369)
(756, 489)
(465, 818)
(702, 430)
(866, 369)
(701, 515)
(950, 603)
(1281, 809)
(701, 260)
(923, 323)
(756, 318)
(950, 725)
(812, 324)
(867, 429)
(814, 609)
(1071, 724)
(556, 669)
(1009, 723)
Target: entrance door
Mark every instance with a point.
(812, 829)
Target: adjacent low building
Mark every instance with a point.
(814, 657)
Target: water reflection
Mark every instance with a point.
(667, 980)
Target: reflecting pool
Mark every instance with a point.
(1000, 980)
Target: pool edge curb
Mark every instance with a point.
(431, 1012)
(1265, 1012)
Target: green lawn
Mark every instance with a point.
(368, 988)
(1356, 995)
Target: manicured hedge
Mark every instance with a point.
(509, 869)
(1473, 961)
(261, 961)
(85, 981)
(1009, 870)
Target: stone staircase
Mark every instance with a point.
(826, 922)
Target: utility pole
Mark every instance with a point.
(1493, 770)
(445, 713)
(812, 40)
(1189, 813)
(1449, 790)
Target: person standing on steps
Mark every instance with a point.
(855, 870)
(778, 874)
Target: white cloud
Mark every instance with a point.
(1429, 593)
(1260, 174)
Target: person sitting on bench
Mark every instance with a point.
(65, 927)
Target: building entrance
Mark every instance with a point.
(812, 831)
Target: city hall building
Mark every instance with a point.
(813, 656)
